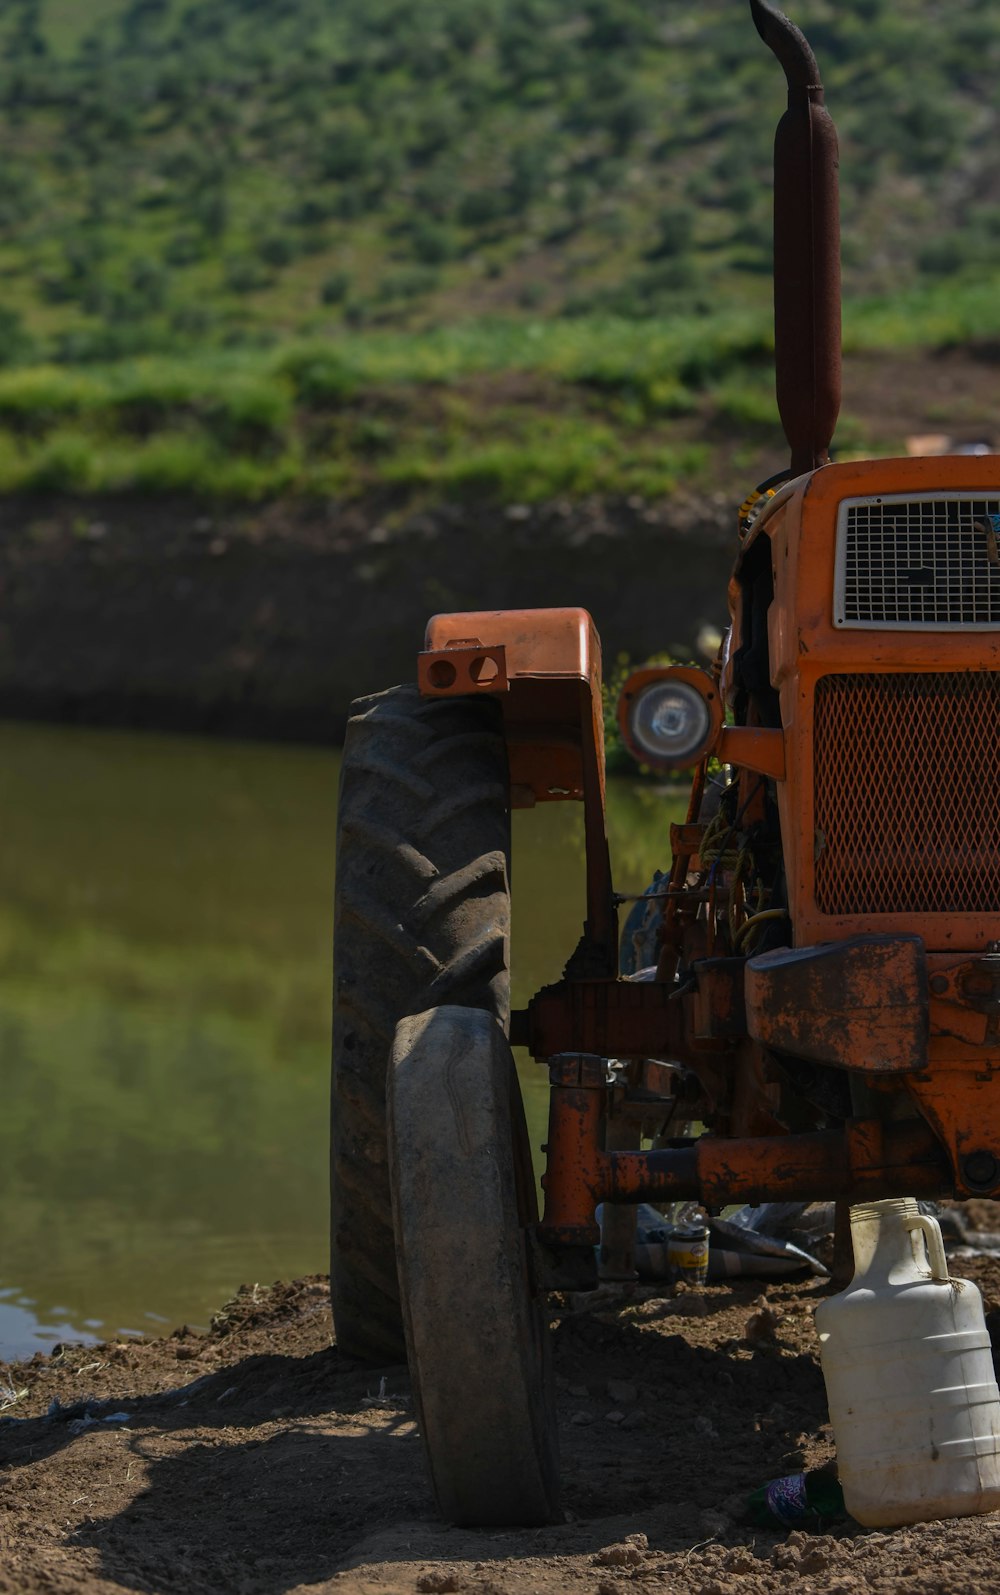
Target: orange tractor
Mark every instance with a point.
(823, 993)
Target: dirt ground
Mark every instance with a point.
(257, 1459)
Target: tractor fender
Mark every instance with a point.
(544, 666)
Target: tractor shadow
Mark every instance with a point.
(326, 1483)
(705, 1422)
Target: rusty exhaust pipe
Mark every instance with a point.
(807, 356)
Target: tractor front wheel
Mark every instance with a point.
(477, 1340)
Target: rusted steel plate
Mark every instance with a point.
(858, 1004)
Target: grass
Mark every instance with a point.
(412, 413)
(498, 409)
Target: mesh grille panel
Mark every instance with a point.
(907, 793)
(916, 563)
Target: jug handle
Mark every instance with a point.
(935, 1245)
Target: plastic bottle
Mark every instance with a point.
(909, 1376)
(799, 1500)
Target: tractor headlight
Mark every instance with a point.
(670, 721)
(670, 717)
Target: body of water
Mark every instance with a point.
(165, 958)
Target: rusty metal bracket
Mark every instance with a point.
(757, 748)
(963, 1106)
(461, 668)
(973, 984)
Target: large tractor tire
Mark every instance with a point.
(422, 918)
(463, 1194)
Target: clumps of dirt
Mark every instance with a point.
(257, 1458)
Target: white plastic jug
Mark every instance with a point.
(909, 1376)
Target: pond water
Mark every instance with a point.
(165, 930)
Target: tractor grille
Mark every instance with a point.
(918, 563)
(907, 793)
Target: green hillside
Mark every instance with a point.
(196, 196)
(232, 170)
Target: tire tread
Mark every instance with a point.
(422, 918)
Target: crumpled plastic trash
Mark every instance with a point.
(747, 1243)
(750, 1241)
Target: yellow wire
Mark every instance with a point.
(757, 919)
(743, 859)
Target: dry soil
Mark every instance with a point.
(256, 1458)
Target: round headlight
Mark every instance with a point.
(670, 716)
(670, 722)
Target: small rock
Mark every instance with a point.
(582, 1417)
(630, 1552)
(438, 1583)
(761, 1327)
(218, 546)
(577, 1390)
(517, 512)
(614, 1417)
(621, 1392)
(705, 1427)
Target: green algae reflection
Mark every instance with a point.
(164, 1014)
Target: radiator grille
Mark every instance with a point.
(917, 563)
(907, 793)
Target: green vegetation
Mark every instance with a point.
(258, 246)
(516, 410)
(179, 175)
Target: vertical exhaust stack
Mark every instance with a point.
(806, 249)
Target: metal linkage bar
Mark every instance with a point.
(864, 1161)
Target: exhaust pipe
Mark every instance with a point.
(807, 355)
